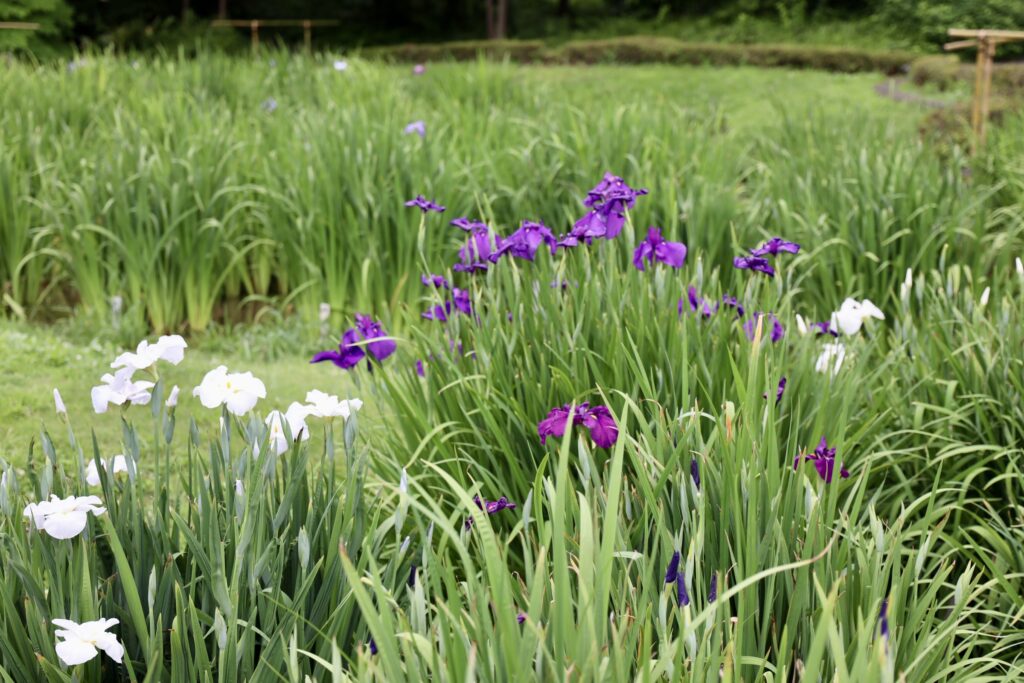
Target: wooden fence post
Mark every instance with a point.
(254, 28)
(307, 36)
(986, 89)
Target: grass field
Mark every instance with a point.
(691, 522)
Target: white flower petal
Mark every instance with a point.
(65, 525)
(74, 651)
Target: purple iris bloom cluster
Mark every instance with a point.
(777, 331)
(713, 590)
(598, 420)
(824, 459)
(367, 335)
(695, 472)
(424, 204)
(674, 573)
(657, 248)
(607, 201)
(757, 261)
(490, 507)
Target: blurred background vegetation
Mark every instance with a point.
(167, 24)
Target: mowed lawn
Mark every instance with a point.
(37, 359)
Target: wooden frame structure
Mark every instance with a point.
(19, 25)
(255, 24)
(985, 40)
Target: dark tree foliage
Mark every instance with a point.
(389, 21)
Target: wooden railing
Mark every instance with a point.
(255, 24)
(985, 40)
(19, 25)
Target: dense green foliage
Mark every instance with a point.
(198, 204)
(225, 561)
(52, 16)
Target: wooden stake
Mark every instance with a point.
(254, 27)
(307, 36)
(979, 69)
(986, 90)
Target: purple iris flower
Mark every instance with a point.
(825, 328)
(774, 246)
(779, 391)
(424, 204)
(412, 577)
(418, 127)
(598, 421)
(490, 507)
(713, 591)
(695, 472)
(438, 281)
(593, 224)
(520, 618)
(673, 568)
(419, 369)
(757, 263)
(777, 332)
(656, 248)
(681, 594)
(419, 70)
(438, 312)
(373, 647)
(469, 225)
(733, 302)
(698, 304)
(348, 354)
(476, 254)
(824, 459)
(883, 620)
(673, 573)
(608, 201)
(611, 189)
(525, 241)
(460, 297)
(349, 351)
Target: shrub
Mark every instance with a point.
(517, 50)
(661, 50)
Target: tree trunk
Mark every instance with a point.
(497, 19)
(501, 30)
(565, 10)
